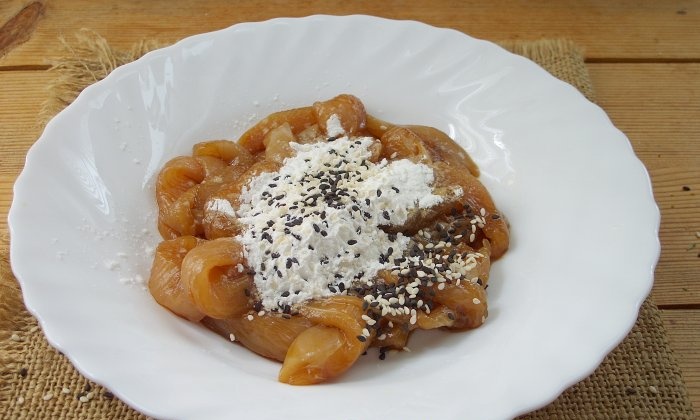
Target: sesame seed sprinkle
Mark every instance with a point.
(342, 198)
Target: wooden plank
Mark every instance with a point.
(627, 30)
(657, 106)
(683, 329)
(6, 182)
(19, 26)
(21, 96)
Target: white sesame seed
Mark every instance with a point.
(261, 313)
(366, 318)
(371, 322)
(20, 400)
(458, 237)
(429, 246)
(90, 395)
(441, 286)
(420, 274)
(250, 317)
(402, 300)
(390, 324)
(382, 337)
(232, 337)
(472, 237)
(65, 390)
(476, 301)
(369, 298)
(365, 332)
(482, 211)
(406, 349)
(34, 329)
(47, 396)
(412, 320)
(240, 267)
(15, 337)
(653, 389)
(84, 399)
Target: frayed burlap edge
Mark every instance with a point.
(562, 58)
(85, 60)
(640, 379)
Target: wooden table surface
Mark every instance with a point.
(643, 56)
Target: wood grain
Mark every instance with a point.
(657, 106)
(622, 30)
(21, 96)
(19, 27)
(644, 58)
(683, 328)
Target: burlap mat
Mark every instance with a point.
(639, 380)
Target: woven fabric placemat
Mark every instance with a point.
(638, 380)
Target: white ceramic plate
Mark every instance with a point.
(584, 222)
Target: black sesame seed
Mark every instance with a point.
(362, 338)
(395, 189)
(352, 242)
(23, 372)
(385, 214)
(379, 193)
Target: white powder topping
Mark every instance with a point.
(312, 228)
(221, 205)
(333, 126)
